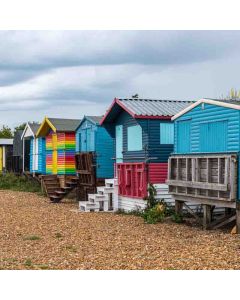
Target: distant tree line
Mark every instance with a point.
(7, 133)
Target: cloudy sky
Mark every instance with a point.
(72, 73)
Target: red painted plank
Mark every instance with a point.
(157, 172)
(133, 178)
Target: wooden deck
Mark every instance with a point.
(206, 179)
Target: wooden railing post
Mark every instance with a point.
(238, 216)
(207, 216)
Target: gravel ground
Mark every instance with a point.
(35, 234)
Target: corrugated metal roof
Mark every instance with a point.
(65, 124)
(6, 141)
(152, 107)
(34, 127)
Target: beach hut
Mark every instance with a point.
(17, 157)
(143, 136)
(205, 164)
(6, 150)
(60, 145)
(94, 147)
(33, 149)
(60, 153)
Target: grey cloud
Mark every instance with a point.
(46, 50)
(69, 73)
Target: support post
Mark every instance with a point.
(178, 207)
(238, 216)
(23, 162)
(207, 216)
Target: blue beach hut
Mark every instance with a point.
(93, 138)
(205, 165)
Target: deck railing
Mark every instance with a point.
(206, 176)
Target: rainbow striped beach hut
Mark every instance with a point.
(60, 144)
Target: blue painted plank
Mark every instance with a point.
(119, 143)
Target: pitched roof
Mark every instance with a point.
(34, 127)
(65, 124)
(146, 108)
(95, 119)
(234, 104)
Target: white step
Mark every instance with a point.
(87, 207)
(97, 197)
(105, 189)
(109, 182)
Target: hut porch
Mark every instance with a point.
(206, 179)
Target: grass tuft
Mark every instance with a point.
(28, 263)
(43, 267)
(31, 238)
(58, 235)
(71, 248)
(10, 181)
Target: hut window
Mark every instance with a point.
(166, 133)
(134, 138)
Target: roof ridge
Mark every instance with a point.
(150, 99)
(62, 118)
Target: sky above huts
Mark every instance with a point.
(72, 73)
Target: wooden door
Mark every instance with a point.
(119, 143)
(213, 136)
(184, 136)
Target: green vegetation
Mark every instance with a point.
(71, 248)
(156, 210)
(6, 132)
(28, 263)
(177, 218)
(20, 127)
(32, 238)
(10, 181)
(43, 267)
(58, 235)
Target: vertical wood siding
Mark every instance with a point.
(41, 155)
(85, 137)
(31, 155)
(184, 136)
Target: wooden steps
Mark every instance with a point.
(32, 176)
(53, 189)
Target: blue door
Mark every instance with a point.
(83, 141)
(90, 140)
(119, 143)
(213, 136)
(183, 136)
